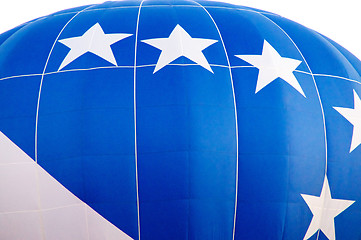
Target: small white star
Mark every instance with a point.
(180, 44)
(95, 41)
(272, 66)
(353, 115)
(324, 210)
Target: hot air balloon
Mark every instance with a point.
(176, 119)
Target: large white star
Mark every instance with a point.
(353, 115)
(272, 66)
(180, 44)
(324, 210)
(95, 41)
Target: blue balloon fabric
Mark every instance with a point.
(189, 119)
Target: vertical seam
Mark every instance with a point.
(235, 116)
(135, 117)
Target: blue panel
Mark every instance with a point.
(165, 219)
(128, 4)
(109, 189)
(32, 44)
(4, 36)
(89, 135)
(209, 220)
(353, 60)
(184, 146)
(18, 101)
(169, 3)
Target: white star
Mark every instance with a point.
(95, 41)
(324, 210)
(353, 115)
(180, 44)
(272, 66)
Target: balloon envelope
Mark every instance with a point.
(177, 120)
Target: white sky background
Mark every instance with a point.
(339, 20)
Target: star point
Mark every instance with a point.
(94, 40)
(353, 115)
(272, 66)
(324, 209)
(180, 44)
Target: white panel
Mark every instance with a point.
(18, 187)
(21, 226)
(65, 223)
(10, 153)
(101, 229)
